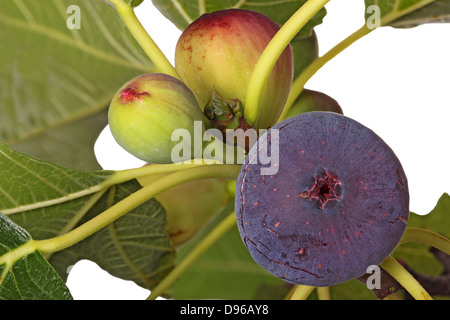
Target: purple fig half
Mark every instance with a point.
(338, 204)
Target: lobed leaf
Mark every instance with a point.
(26, 275)
(49, 200)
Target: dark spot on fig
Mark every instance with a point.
(340, 221)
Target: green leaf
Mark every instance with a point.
(57, 77)
(49, 200)
(418, 255)
(30, 184)
(184, 12)
(410, 13)
(24, 273)
(351, 290)
(438, 220)
(135, 247)
(226, 271)
(70, 145)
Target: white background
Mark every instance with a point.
(396, 82)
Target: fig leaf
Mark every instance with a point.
(418, 255)
(26, 276)
(48, 200)
(409, 13)
(61, 63)
(187, 11)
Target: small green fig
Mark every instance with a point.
(146, 111)
(310, 100)
(219, 52)
(190, 206)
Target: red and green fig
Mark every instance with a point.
(190, 206)
(146, 111)
(219, 51)
(311, 100)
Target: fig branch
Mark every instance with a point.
(116, 211)
(301, 292)
(323, 293)
(271, 54)
(428, 237)
(143, 38)
(299, 83)
(408, 282)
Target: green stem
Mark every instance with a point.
(299, 83)
(428, 237)
(155, 54)
(271, 54)
(323, 293)
(301, 292)
(405, 279)
(201, 248)
(316, 65)
(154, 169)
(132, 201)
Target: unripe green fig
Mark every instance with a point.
(190, 206)
(310, 100)
(219, 52)
(146, 111)
(306, 50)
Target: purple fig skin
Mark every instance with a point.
(338, 204)
(220, 50)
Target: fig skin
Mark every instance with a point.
(146, 110)
(338, 204)
(220, 50)
(190, 206)
(310, 100)
(305, 50)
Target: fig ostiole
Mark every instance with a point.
(220, 50)
(338, 204)
(189, 206)
(146, 111)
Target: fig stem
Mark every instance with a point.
(221, 229)
(154, 169)
(408, 282)
(302, 79)
(133, 24)
(299, 83)
(137, 198)
(323, 293)
(301, 292)
(428, 237)
(272, 52)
